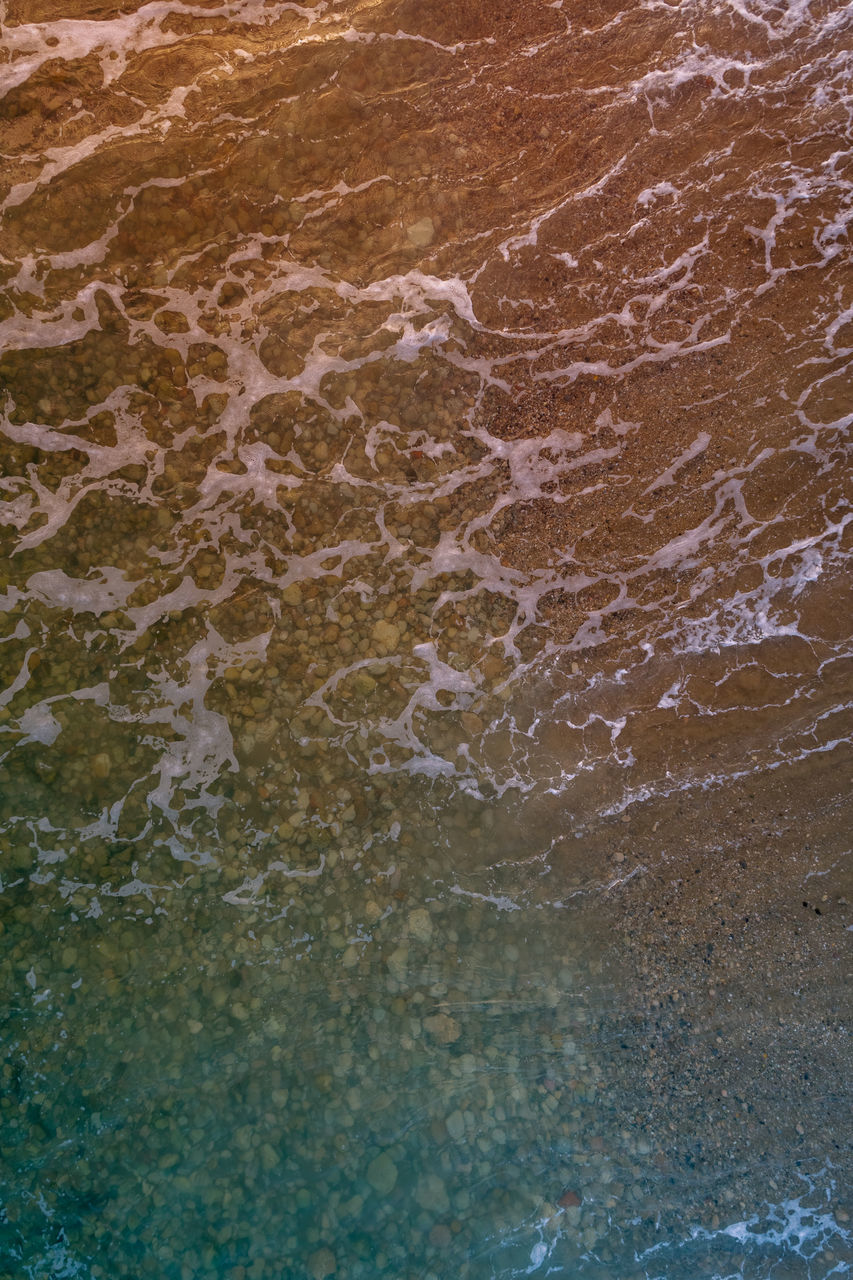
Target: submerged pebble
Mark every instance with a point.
(421, 233)
(382, 1174)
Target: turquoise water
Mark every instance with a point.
(236, 1092)
(417, 1059)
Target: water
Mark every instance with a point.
(425, 740)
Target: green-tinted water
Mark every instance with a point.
(238, 1092)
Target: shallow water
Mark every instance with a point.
(425, 740)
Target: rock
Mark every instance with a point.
(443, 1028)
(471, 723)
(398, 963)
(431, 1195)
(292, 595)
(420, 925)
(420, 233)
(493, 666)
(569, 1200)
(455, 1125)
(382, 1174)
(386, 635)
(101, 765)
(269, 1157)
(322, 1263)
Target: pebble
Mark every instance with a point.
(455, 1125)
(443, 1028)
(269, 1157)
(386, 635)
(431, 1194)
(322, 1264)
(101, 765)
(398, 963)
(420, 925)
(421, 233)
(382, 1174)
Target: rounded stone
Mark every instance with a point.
(421, 233)
(382, 1174)
(431, 1195)
(322, 1264)
(420, 925)
(455, 1125)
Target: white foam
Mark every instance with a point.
(101, 594)
(32, 44)
(39, 724)
(800, 1227)
(699, 445)
(434, 311)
